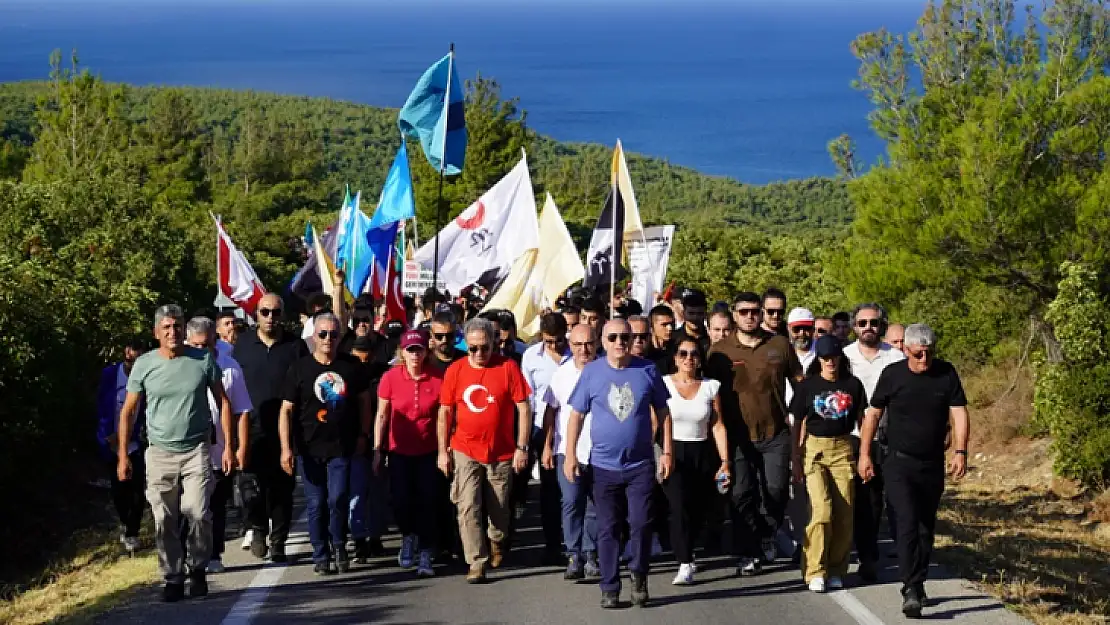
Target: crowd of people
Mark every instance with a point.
(650, 432)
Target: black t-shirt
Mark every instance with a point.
(829, 408)
(916, 406)
(456, 354)
(264, 369)
(326, 400)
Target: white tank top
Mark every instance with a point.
(690, 417)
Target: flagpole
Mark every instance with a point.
(442, 166)
(613, 262)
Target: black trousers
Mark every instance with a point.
(551, 510)
(275, 492)
(129, 498)
(417, 487)
(690, 492)
(914, 488)
(760, 492)
(868, 508)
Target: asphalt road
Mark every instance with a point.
(261, 593)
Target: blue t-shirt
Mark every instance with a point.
(619, 402)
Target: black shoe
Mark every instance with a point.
(375, 546)
(342, 562)
(868, 571)
(258, 544)
(610, 600)
(323, 568)
(921, 593)
(362, 551)
(172, 593)
(639, 590)
(277, 553)
(911, 602)
(198, 585)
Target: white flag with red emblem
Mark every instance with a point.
(487, 238)
(234, 275)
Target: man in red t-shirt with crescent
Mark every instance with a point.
(479, 440)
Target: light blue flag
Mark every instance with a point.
(440, 126)
(352, 252)
(396, 202)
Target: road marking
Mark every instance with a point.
(254, 596)
(854, 608)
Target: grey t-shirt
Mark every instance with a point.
(176, 389)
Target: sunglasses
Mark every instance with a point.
(415, 349)
(747, 312)
(641, 336)
(774, 312)
(479, 349)
(622, 337)
(327, 334)
(687, 353)
(863, 323)
(801, 329)
(366, 320)
(822, 331)
(921, 355)
(442, 336)
(266, 312)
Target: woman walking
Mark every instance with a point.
(408, 407)
(698, 462)
(826, 406)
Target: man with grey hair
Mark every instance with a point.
(484, 425)
(201, 333)
(919, 397)
(175, 380)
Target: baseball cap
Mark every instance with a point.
(414, 337)
(800, 317)
(694, 297)
(828, 346)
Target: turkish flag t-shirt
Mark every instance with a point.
(484, 400)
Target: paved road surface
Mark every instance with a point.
(262, 593)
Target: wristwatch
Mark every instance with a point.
(523, 448)
(962, 452)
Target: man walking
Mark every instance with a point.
(128, 497)
(174, 380)
(619, 393)
(919, 396)
(895, 333)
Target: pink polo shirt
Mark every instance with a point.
(413, 409)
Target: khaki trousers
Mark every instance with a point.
(828, 538)
(478, 488)
(180, 484)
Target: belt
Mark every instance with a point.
(901, 454)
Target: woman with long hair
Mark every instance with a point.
(405, 437)
(698, 461)
(826, 406)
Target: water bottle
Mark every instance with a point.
(722, 482)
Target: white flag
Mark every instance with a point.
(488, 236)
(649, 253)
(234, 275)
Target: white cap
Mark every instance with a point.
(800, 316)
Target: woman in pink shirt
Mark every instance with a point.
(405, 436)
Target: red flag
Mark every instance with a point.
(394, 299)
(234, 275)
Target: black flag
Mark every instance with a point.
(606, 245)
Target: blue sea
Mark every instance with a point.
(753, 90)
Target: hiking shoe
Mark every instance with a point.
(575, 568)
(408, 552)
(836, 583)
(172, 593)
(216, 565)
(277, 553)
(198, 585)
(342, 562)
(769, 550)
(496, 555)
(817, 584)
(323, 568)
(685, 575)
(639, 590)
(592, 570)
(911, 602)
(424, 568)
(258, 545)
(610, 599)
(476, 574)
(749, 567)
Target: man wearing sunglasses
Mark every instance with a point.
(484, 427)
(442, 340)
(774, 310)
(265, 356)
(869, 356)
(694, 306)
(326, 415)
(919, 396)
(753, 367)
(619, 393)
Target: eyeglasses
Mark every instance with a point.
(747, 312)
(327, 334)
(774, 312)
(863, 323)
(641, 336)
(442, 336)
(479, 349)
(266, 312)
(686, 353)
(622, 337)
(822, 331)
(921, 355)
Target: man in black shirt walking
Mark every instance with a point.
(920, 395)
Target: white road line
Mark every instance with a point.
(254, 596)
(854, 607)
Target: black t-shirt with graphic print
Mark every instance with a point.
(829, 408)
(326, 400)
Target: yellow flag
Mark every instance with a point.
(558, 265)
(623, 182)
(517, 294)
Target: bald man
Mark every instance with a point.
(619, 393)
(895, 335)
(265, 356)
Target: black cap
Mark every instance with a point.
(694, 297)
(828, 346)
(363, 344)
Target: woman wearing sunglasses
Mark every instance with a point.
(698, 462)
(405, 438)
(826, 407)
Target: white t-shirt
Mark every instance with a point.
(557, 396)
(538, 367)
(690, 417)
(236, 388)
(868, 370)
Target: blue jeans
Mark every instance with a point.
(578, 510)
(325, 488)
(367, 499)
(623, 496)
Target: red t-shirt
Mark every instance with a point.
(485, 406)
(413, 409)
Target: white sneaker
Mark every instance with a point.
(749, 567)
(685, 575)
(693, 567)
(247, 538)
(835, 583)
(424, 568)
(817, 584)
(215, 565)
